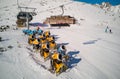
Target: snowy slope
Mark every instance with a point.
(95, 52)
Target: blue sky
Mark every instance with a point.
(113, 2)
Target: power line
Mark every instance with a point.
(56, 7)
(18, 5)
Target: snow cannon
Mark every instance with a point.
(28, 32)
(44, 47)
(47, 33)
(57, 63)
(31, 38)
(52, 45)
(40, 32)
(50, 38)
(46, 54)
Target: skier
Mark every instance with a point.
(106, 29)
(110, 31)
(39, 31)
(62, 50)
(37, 28)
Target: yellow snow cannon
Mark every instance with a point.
(43, 47)
(59, 66)
(47, 33)
(36, 44)
(52, 45)
(43, 40)
(50, 38)
(30, 39)
(41, 36)
(46, 54)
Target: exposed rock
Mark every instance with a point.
(0, 39)
(2, 49)
(10, 47)
(106, 6)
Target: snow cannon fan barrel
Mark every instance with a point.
(23, 15)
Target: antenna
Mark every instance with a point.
(62, 9)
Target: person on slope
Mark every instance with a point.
(62, 50)
(110, 31)
(39, 31)
(106, 29)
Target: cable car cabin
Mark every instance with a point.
(60, 21)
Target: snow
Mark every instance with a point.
(95, 52)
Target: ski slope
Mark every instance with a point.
(95, 54)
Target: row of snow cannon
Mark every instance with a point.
(44, 43)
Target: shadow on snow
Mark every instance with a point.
(62, 44)
(91, 41)
(73, 59)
